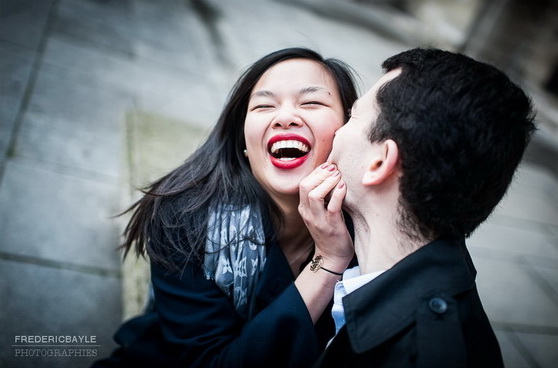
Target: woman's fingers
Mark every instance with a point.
(317, 176)
(321, 201)
(337, 196)
(314, 180)
(321, 193)
(319, 197)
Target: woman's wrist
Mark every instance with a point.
(332, 265)
(317, 264)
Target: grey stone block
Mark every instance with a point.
(15, 68)
(174, 95)
(156, 146)
(513, 358)
(139, 30)
(45, 301)
(70, 95)
(531, 177)
(22, 22)
(547, 278)
(108, 24)
(247, 38)
(178, 37)
(535, 197)
(541, 347)
(118, 83)
(101, 68)
(515, 238)
(510, 295)
(57, 216)
(82, 149)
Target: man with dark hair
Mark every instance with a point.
(429, 152)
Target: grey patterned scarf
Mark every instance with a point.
(234, 252)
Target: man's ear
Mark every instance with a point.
(383, 164)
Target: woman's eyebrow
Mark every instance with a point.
(262, 93)
(313, 89)
(302, 91)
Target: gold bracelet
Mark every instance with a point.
(316, 264)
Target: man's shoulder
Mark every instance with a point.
(434, 279)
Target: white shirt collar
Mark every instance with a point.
(352, 279)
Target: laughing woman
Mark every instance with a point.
(231, 258)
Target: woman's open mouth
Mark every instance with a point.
(288, 151)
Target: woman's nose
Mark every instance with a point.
(287, 118)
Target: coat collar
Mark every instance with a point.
(385, 306)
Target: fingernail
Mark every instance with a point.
(341, 185)
(336, 173)
(331, 168)
(324, 165)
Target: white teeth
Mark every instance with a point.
(289, 144)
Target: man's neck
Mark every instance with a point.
(378, 240)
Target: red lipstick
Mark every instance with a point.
(297, 147)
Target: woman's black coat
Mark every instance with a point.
(194, 324)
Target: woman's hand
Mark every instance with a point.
(321, 200)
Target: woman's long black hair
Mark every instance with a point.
(170, 220)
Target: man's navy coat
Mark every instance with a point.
(423, 312)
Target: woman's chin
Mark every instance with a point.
(286, 187)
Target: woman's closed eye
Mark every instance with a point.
(314, 103)
(262, 107)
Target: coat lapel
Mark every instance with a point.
(388, 304)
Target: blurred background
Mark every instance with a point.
(99, 97)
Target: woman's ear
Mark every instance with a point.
(383, 164)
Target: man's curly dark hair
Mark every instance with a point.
(461, 127)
